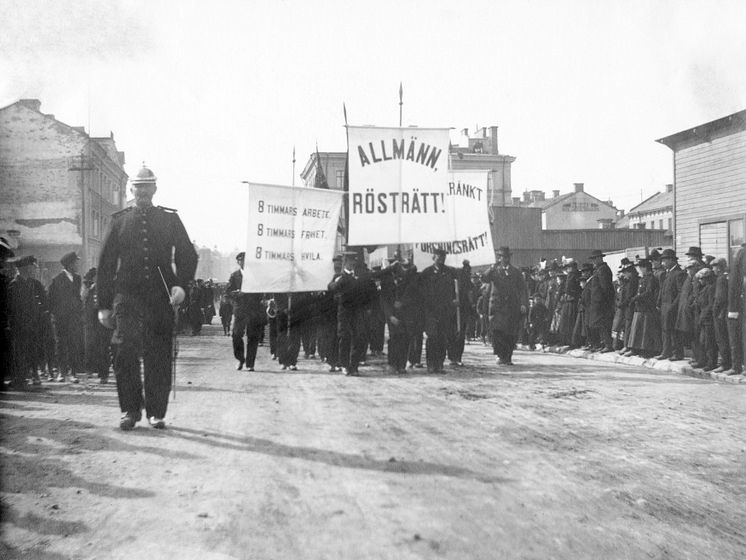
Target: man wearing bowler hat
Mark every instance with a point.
(508, 304)
(668, 303)
(66, 307)
(146, 259)
(601, 311)
(439, 301)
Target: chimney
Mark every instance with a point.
(669, 187)
(537, 196)
(516, 201)
(578, 187)
(33, 104)
(493, 135)
(526, 196)
(555, 194)
(606, 223)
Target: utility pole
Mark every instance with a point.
(83, 166)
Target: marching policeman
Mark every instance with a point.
(137, 288)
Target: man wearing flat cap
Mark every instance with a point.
(27, 304)
(66, 307)
(508, 304)
(602, 296)
(249, 318)
(439, 301)
(668, 303)
(353, 292)
(146, 259)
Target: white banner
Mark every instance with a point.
(469, 227)
(292, 231)
(398, 184)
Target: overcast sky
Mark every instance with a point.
(215, 92)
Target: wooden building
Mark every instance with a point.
(709, 162)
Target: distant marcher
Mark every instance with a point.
(537, 321)
(67, 316)
(508, 305)
(26, 308)
(226, 312)
(249, 318)
(439, 301)
(96, 337)
(569, 302)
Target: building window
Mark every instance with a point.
(660, 224)
(340, 179)
(670, 224)
(736, 236)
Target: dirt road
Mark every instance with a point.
(556, 457)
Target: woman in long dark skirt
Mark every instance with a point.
(645, 331)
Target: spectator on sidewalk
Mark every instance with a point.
(668, 304)
(645, 330)
(720, 314)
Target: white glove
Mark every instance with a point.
(105, 318)
(732, 314)
(177, 296)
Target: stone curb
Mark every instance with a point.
(680, 367)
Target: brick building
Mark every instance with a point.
(58, 186)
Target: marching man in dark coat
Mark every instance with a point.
(138, 287)
(507, 306)
(601, 311)
(27, 304)
(353, 294)
(439, 300)
(67, 316)
(249, 318)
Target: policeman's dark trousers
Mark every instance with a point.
(723, 344)
(503, 345)
(252, 330)
(672, 344)
(143, 329)
(456, 345)
(351, 337)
